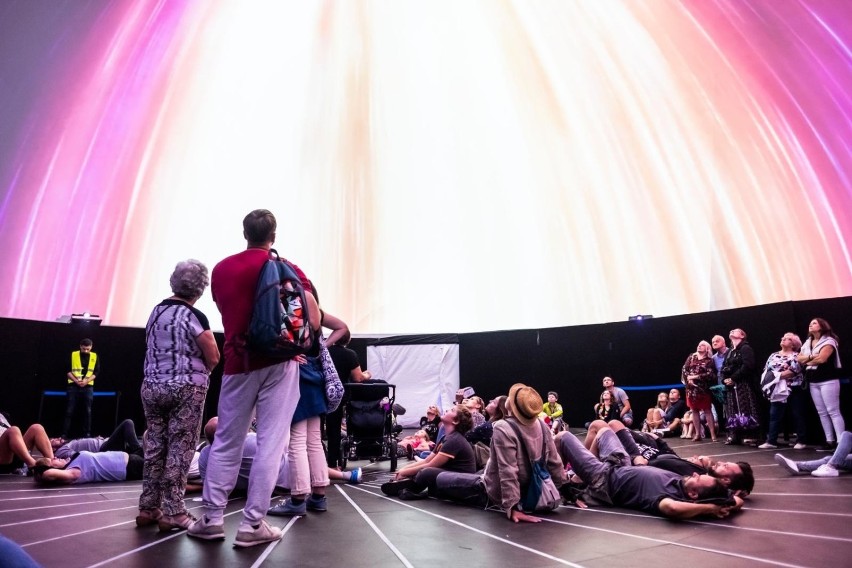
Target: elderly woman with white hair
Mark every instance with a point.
(180, 355)
(782, 385)
(698, 375)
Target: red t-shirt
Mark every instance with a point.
(233, 283)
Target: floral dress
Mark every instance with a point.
(698, 395)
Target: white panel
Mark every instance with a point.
(423, 375)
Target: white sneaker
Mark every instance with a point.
(788, 464)
(767, 446)
(261, 535)
(800, 446)
(825, 470)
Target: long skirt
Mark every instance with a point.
(741, 411)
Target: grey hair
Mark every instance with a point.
(797, 341)
(189, 279)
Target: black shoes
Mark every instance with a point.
(393, 488)
(409, 495)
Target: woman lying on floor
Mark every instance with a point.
(89, 467)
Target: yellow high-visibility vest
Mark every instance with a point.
(77, 366)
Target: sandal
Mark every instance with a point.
(148, 517)
(175, 522)
(696, 438)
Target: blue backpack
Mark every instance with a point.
(280, 326)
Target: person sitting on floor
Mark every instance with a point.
(656, 417)
(452, 453)
(89, 467)
(15, 447)
(509, 470)
(552, 413)
(122, 439)
(736, 476)
(494, 411)
(476, 406)
(674, 415)
(607, 407)
(829, 466)
(614, 481)
(417, 442)
(431, 421)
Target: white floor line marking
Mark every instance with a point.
(272, 545)
(789, 512)
(711, 524)
(473, 529)
(60, 537)
(55, 506)
(376, 529)
(66, 516)
(678, 544)
(66, 495)
(141, 548)
(71, 490)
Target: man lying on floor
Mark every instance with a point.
(612, 480)
(89, 467)
(122, 439)
(736, 476)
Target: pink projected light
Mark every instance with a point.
(609, 157)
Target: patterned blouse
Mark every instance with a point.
(780, 362)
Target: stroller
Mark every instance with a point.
(371, 429)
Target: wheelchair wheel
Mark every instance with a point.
(344, 452)
(393, 459)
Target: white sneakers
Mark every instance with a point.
(767, 446)
(825, 470)
(788, 464)
(800, 446)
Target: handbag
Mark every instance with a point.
(542, 494)
(333, 384)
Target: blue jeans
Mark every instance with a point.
(797, 402)
(84, 395)
(841, 459)
(592, 470)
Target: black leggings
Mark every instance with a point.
(123, 439)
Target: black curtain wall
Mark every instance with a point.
(569, 360)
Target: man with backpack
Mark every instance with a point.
(252, 379)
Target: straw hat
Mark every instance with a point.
(524, 403)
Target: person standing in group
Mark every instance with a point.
(349, 370)
(85, 367)
(821, 361)
(698, 374)
(181, 353)
(250, 382)
(721, 349)
(738, 376)
(784, 374)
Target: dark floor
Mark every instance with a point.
(788, 521)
